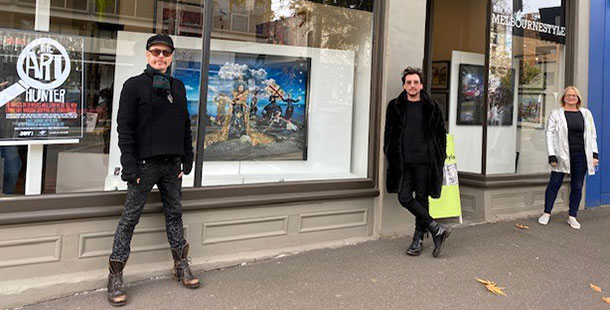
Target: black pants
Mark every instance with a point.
(164, 173)
(578, 171)
(415, 179)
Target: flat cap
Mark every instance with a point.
(160, 39)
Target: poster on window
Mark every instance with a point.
(256, 107)
(41, 82)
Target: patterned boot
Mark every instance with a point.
(116, 287)
(182, 271)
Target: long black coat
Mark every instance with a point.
(435, 136)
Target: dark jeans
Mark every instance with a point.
(164, 173)
(415, 179)
(578, 169)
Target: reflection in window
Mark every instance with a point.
(526, 74)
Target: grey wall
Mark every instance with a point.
(404, 46)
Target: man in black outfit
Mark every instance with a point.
(156, 148)
(415, 146)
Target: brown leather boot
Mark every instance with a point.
(116, 287)
(182, 271)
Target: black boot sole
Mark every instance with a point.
(436, 253)
(410, 253)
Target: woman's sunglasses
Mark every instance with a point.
(156, 52)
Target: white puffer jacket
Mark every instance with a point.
(557, 140)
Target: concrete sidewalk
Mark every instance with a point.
(545, 267)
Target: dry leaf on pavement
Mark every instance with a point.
(595, 288)
(491, 286)
(520, 226)
(606, 299)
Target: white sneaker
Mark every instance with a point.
(544, 219)
(573, 222)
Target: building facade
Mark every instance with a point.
(296, 165)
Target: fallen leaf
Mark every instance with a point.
(606, 299)
(494, 289)
(520, 226)
(491, 286)
(595, 288)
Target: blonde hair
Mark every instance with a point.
(574, 89)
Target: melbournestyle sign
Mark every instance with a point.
(547, 23)
(41, 86)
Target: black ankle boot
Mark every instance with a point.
(116, 287)
(415, 248)
(440, 233)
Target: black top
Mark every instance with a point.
(415, 148)
(576, 130)
(150, 124)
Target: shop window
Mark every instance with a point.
(526, 80)
(503, 133)
(457, 75)
(288, 95)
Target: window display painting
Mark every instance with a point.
(256, 107)
(470, 95)
(440, 74)
(531, 110)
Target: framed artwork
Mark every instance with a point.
(257, 107)
(440, 74)
(501, 97)
(179, 18)
(532, 75)
(470, 95)
(531, 110)
(442, 98)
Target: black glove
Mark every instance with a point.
(187, 168)
(129, 177)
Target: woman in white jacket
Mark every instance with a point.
(572, 146)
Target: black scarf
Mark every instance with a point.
(161, 81)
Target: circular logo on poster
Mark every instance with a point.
(43, 64)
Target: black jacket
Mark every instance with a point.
(435, 136)
(150, 125)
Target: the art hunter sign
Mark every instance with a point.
(41, 86)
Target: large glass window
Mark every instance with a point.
(288, 96)
(526, 78)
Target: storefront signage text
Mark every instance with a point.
(517, 21)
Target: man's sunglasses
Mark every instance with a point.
(156, 52)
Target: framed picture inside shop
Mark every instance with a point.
(440, 74)
(441, 99)
(470, 95)
(532, 75)
(531, 110)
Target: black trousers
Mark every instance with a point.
(164, 173)
(415, 179)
